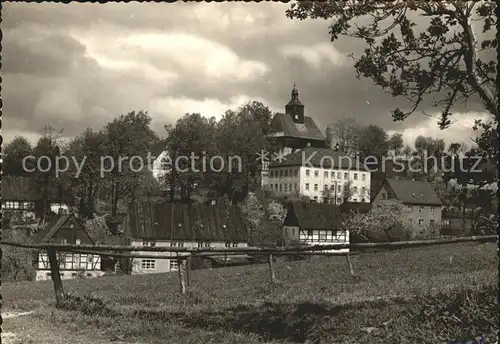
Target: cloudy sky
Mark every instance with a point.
(80, 65)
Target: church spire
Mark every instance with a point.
(294, 107)
(295, 92)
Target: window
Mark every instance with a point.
(322, 236)
(339, 175)
(421, 209)
(149, 243)
(325, 187)
(315, 187)
(296, 172)
(293, 231)
(432, 222)
(78, 241)
(355, 176)
(384, 195)
(276, 187)
(286, 173)
(339, 188)
(290, 187)
(281, 173)
(174, 265)
(228, 244)
(363, 176)
(234, 244)
(307, 186)
(308, 173)
(281, 187)
(420, 222)
(433, 209)
(355, 189)
(200, 244)
(332, 174)
(295, 186)
(316, 173)
(207, 244)
(148, 264)
(326, 174)
(354, 199)
(315, 198)
(345, 175)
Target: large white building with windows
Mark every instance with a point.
(180, 225)
(320, 173)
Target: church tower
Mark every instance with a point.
(295, 108)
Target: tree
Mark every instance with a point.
(45, 152)
(387, 221)
(344, 132)
(87, 149)
(127, 137)
(192, 135)
(243, 133)
(14, 153)
(16, 261)
(253, 213)
(441, 55)
(373, 141)
(396, 143)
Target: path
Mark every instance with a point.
(26, 328)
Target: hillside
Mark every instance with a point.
(407, 296)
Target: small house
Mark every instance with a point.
(314, 224)
(423, 203)
(66, 229)
(182, 225)
(19, 195)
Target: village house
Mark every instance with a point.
(182, 225)
(318, 173)
(314, 224)
(20, 195)
(66, 229)
(419, 196)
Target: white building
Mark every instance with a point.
(320, 172)
(314, 224)
(181, 225)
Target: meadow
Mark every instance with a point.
(427, 295)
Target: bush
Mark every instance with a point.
(89, 304)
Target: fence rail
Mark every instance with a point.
(190, 252)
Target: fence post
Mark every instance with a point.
(56, 277)
(182, 277)
(349, 264)
(188, 271)
(271, 269)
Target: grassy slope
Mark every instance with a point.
(314, 300)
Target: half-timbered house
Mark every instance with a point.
(66, 229)
(314, 224)
(181, 225)
(20, 195)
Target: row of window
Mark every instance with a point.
(18, 205)
(288, 187)
(326, 174)
(181, 244)
(421, 222)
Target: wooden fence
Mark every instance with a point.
(190, 252)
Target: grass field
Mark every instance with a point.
(415, 295)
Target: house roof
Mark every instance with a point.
(313, 216)
(22, 188)
(319, 157)
(414, 191)
(158, 148)
(150, 220)
(283, 122)
(48, 232)
(355, 207)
